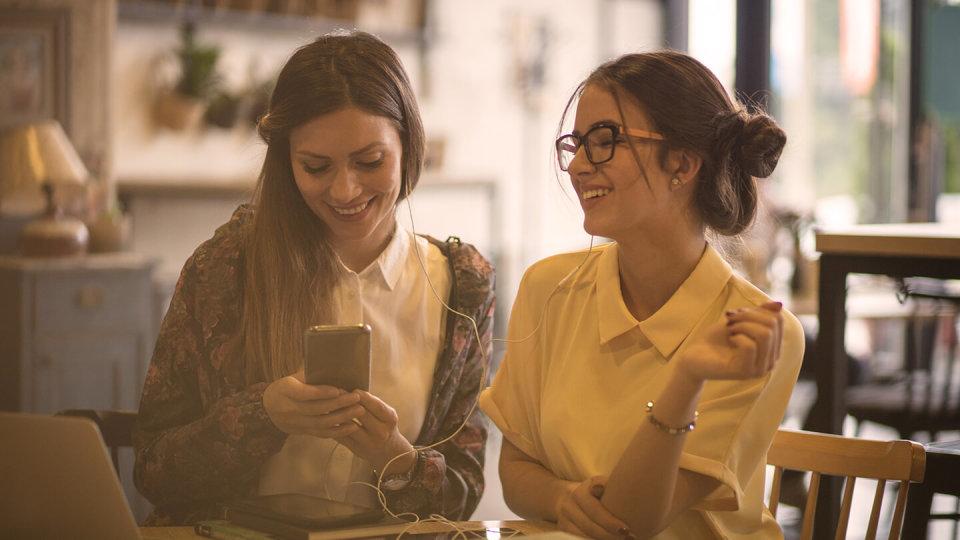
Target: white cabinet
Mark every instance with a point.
(75, 333)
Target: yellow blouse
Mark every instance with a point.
(572, 394)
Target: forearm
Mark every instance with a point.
(213, 457)
(533, 492)
(529, 489)
(648, 470)
(447, 480)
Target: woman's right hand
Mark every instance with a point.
(298, 408)
(580, 512)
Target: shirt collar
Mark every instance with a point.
(612, 313)
(673, 322)
(389, 265)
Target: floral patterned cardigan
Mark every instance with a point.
(203, 434)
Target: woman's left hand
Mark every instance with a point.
(379, 439)
(746, 346)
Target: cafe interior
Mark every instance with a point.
(128, 134)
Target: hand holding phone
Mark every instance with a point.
(321, 401)
(379, 439)
(297, 408)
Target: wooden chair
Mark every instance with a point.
(925, 396)
(822, 454)
(116, 427)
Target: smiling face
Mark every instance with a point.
(347, 166)
(617, 202)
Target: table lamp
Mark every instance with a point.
(40, 154)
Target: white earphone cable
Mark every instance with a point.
(461, 532)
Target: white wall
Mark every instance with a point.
(497, 130)
(472, 97)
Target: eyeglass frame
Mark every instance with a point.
(618, 132)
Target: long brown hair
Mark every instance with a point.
(689, 106)
(290, 268)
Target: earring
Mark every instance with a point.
(674, 182)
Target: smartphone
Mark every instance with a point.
(338, 356)
(301, 511)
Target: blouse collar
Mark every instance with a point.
(672, 323)
(389, 265)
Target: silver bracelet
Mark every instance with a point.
(396, 482)
(669, 429)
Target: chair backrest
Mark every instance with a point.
(116, 427)
(822, 454)
(933, 385)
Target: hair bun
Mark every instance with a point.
(759, 145)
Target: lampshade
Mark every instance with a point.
(37, 153)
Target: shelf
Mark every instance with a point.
(157, 187)
(156, 11)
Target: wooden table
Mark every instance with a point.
(898, 250)
(942, 476)
(524, 527)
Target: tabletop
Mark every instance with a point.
(944, 447)
(522, 527)
(892, 239)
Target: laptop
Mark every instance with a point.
(57, 481)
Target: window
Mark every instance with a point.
(840, 82)
(938, 138)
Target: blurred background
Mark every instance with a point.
(160, 99)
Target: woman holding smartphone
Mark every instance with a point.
(225, 412)
(644, 380)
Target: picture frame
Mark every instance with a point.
(34, 65)
(77, 40)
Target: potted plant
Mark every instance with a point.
(183, 105)
(223, 110)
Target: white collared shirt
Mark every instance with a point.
(572, 396)
(394, 297)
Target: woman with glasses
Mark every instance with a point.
(644, 380)
(225, 411)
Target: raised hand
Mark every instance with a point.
(745, 345)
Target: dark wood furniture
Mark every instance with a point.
(943, 476)
(899, 250)
(116, 428)
(924, 395)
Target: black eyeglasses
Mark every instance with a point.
(599, 143)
